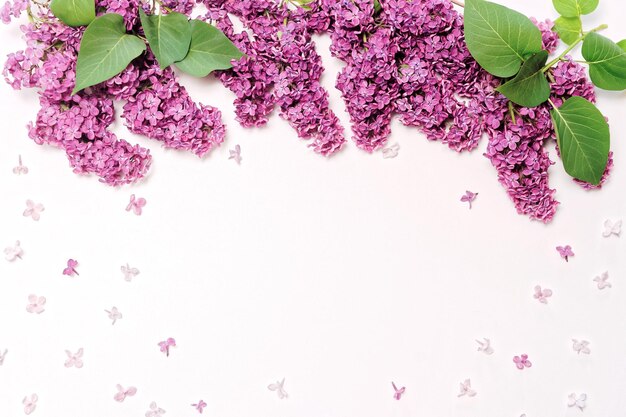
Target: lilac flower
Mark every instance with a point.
(565, 252)
(407, 58)
(469, 197)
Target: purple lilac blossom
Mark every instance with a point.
(408, 58)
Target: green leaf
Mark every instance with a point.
(583, 137)
(169, 36)
(377, 6)
(105, 51)
(568, 28)
(210, 50)
(574, 8)
(499, 38)
(530, 87)
(607, 62)
(622, 44)
(74, 12)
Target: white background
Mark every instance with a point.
(338, 274)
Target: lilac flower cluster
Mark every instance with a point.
(410, 58)
(156, 104)
(161, 109)
(281, 68)
(516, 149)
(404, 57)
(129, 9)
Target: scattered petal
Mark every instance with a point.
(20, 169)
(199, 406)
(469, 197)
(155, 411)
(522, 362)
(542, 295)
(579, 401)
(12, 253)
(129, 273)
(74, 359)
(603, 281)
(397, 391)
(70, 270)
(166, 344)
(466, 389)
(114, 314)
(279, 388)
(611, 228)
(391, 151)
(30, 403)
(485, 346)
(33, 210)
(136, 204)
(123, 393)
(2, 356)
(565, 252)
(35, 304)
(236, 154)
(581, 346)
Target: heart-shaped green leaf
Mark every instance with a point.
(74, 12)
(574, 8)
(607, 62)
(105, 50)
(568, 28)
(210, 50)
(499, 38)
(169, 36)
(583, 137)
(530, 87)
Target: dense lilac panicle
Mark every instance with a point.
(570, 79)
(407, 57)
(549, 38)
(124, 85)
(351, 21)
(163, 110)
(368, 86)
(420, 18)
(80, 123)
(517, 152)
(115, 161)
(21, 67)
(302, 99)
(76, 123)
(280, 67)
(128, 9)
(252, 77)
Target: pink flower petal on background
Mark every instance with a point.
(565, 252)
(236, 154)
(33, 210)
(136, 204)
(20, 168)
(70, 270)
(469, 197)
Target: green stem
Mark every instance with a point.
(572, 46)
(512, 112)
(552, 104)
